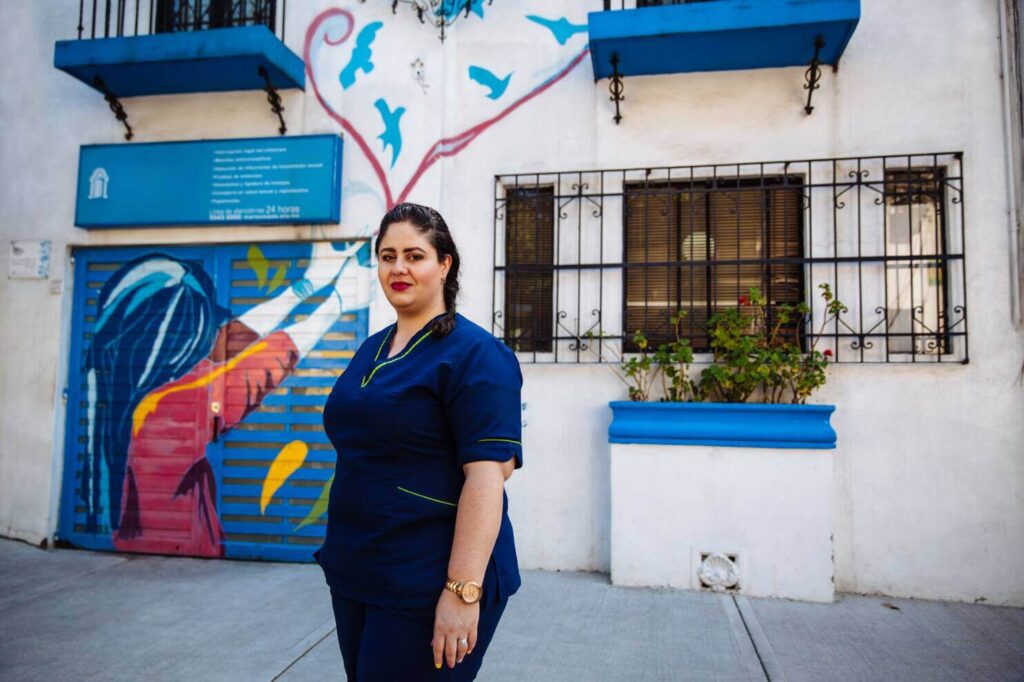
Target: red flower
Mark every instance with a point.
(827, 353)
(744, 300)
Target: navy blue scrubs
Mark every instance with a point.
(403, 428)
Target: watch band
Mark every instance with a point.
(470, 595)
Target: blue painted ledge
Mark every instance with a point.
(216, 60)
(757, 425)
(719, 36)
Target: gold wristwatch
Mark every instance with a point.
(468, 591)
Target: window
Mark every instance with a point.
(699, 246)
(529, 261)
(915, 283)
(591, 256)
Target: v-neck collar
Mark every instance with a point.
(379, 363)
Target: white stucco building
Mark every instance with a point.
(502, 127)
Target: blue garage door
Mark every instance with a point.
(196, 384)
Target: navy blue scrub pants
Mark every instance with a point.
(395, 644)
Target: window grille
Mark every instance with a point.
(585, 258)
(636, 4)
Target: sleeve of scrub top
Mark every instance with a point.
(482, 402)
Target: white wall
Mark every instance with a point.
(769, 510)
(928, 474)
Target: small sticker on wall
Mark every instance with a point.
(29, 260)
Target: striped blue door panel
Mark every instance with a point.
(196, 385)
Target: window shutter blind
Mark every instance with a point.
(529, 274)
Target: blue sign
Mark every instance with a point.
(271, 180)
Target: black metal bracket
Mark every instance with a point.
(813, 73)
(616, 87)
(274, 99)
(115, 104)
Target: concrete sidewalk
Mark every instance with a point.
(69, 614)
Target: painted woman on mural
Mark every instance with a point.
(419, 552)
(169, 371)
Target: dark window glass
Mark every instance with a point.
(529, 273)
(699, 246)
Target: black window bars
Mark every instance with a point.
(635, 4)
(583, 258)
(120, 18)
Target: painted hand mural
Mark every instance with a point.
(169, 371)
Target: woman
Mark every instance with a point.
(419, 552)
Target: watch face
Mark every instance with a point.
(470, 592)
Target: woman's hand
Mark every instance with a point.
(454, 620)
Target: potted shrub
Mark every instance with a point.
(722, 481)
(754, 392)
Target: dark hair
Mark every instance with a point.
(157, 317)
(430, 223)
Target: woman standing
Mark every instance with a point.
(419, 552)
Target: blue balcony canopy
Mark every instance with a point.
(213, 60)
(722, 35)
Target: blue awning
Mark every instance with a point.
(722, 35)
(214, 60)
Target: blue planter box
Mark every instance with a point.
(756, 425)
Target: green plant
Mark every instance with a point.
(638, 372)
(673, 359)
(752, 358)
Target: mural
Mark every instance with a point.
(343, 49)
(497, 86)
(199, 373)
(169, 370)
(391, 137)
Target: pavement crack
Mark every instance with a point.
(307, 644)
(759, 640)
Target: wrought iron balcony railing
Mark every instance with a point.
(637, 4)
(121, 18)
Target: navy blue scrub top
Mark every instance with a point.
(403, 427)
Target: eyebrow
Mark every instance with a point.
(411, 248)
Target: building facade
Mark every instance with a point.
(601, 165)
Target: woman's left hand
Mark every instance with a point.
(454, 620)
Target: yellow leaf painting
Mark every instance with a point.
(258, 263)
(284, 465)
(320, 507)
(278, 278)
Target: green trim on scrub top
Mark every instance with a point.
(386, 337)
(366, 379)
(498, 440)
(432, 499)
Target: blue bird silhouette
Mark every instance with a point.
(562, 28)
(392, 136)
(487, 79)
(449, 9)
(361, 54)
